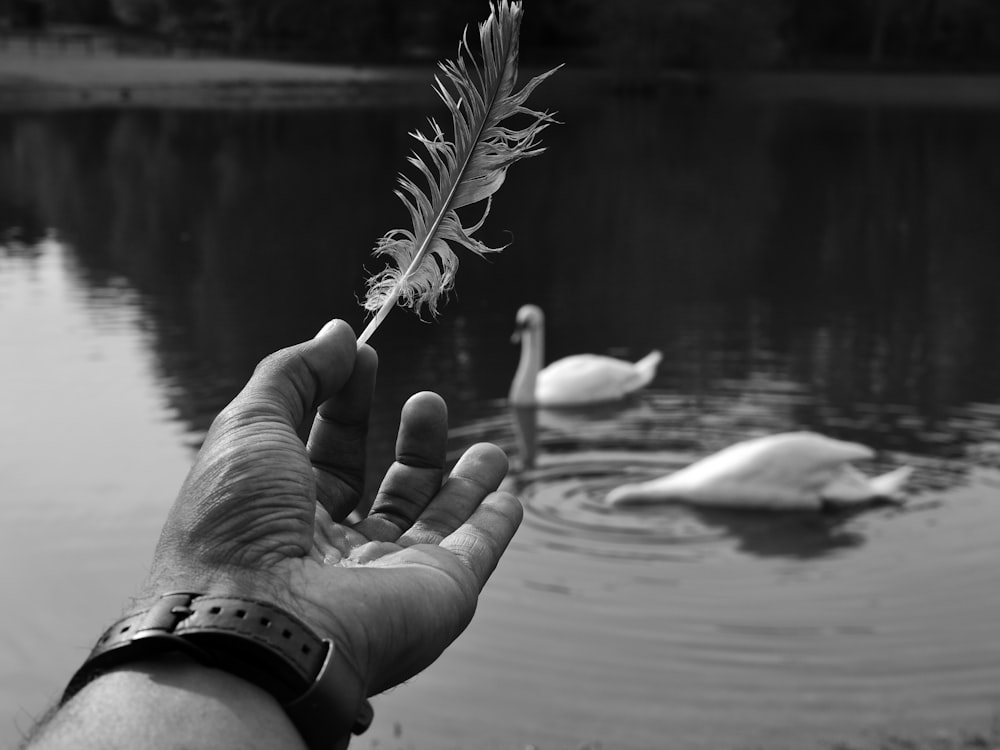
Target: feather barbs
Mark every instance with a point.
(422, 262)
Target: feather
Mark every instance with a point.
(480, 96)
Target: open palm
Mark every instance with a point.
(262, 515)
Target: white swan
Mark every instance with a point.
(786, 471)
(577, 379)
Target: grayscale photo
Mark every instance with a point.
(500, 374)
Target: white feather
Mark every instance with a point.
(479, 96)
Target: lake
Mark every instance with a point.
(800, 266)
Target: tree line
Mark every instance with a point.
(696, 34)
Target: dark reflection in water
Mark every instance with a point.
(799, 267)
(796, 535)
(848, 251)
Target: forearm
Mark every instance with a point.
(170, 702)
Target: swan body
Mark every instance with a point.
(577, 379)
(786, 471)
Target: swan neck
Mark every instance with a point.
(522, 389)
(644, 493)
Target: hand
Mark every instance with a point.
(263, 516)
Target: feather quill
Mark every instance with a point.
(480, 96)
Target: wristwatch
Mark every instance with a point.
(252, 639)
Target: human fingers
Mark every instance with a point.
(415, 477)
(480, 541)
(478, 473)
(288, 384)
(336, 445)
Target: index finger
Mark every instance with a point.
(480, 541)
(336, 444)
(289, 383)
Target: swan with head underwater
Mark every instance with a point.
(575, 380)
(784, 471)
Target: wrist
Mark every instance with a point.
(171, 700)
(253, 640)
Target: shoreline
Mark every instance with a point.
(56, 81)
(67, 80)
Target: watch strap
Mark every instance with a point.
(253, 639)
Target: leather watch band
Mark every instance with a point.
(252, 639)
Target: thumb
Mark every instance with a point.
(288, 384)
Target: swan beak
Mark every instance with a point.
(515, 337)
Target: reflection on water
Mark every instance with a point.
(799, 267)
(89, 456)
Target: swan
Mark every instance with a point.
(785, 471)
(577, 379)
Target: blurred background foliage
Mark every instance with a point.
(695, 34)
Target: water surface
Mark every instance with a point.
(800, 267)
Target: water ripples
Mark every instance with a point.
(770, 627)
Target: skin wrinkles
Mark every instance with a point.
(385, 510)
(333, 499)
(353, 478)
(266, 434)
(257, 414)
(284, 527)
(249, 550)
(330, 543)
(472, 475)
(459, 483)
(471, 465)
(416, 461)
(449, 619)
(436, 523)
(336, 450)
(469, 545)
(349, 432)
(334, 468)
(247, 522)
(283, 494)
(303, 388)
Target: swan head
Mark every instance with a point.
(529, 331)
(530, 318)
